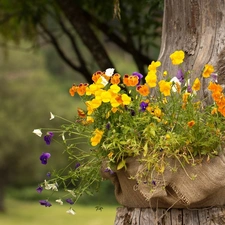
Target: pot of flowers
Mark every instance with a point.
(155, 139)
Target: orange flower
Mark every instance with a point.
(81, 113)
(222, 110)
(81, 89)
(215, 87)
(207, 70)
(73, 90)
(143, 90)
(133, 80)
(96, 76)
(217, 96)
(130, 80)
(115, 79)
(191, 123)
(125, 79)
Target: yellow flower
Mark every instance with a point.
(207, 70)
(89, 108)
(92, 89)
(97, 137)
(95, 103)
(165, 87)
(196, 85)
(191, 123)
(115, 88)
(110, 155)
(157, 112)
(126, 99)
(177, 57)
(153, 66)
(165, 73)
(151, 79)
(90, 119)
(185, 97)
(167, 136)
(214, 111)
(106, 96)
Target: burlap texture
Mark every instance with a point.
(173, 189)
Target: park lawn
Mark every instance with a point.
(28, 212)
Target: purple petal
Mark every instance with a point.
(45, 203)
(139, 75)
(143, 106)
(44, 157)
(39, 189)
(180, 76)
(70, 201)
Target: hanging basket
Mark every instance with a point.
(172, 189)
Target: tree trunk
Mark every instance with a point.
(148, 216)
(198, 28)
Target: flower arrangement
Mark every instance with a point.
(132, 116)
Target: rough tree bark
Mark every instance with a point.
(198, 28)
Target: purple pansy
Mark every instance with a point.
(108, 125)
(70, 201)
(189, 89)
(214, 77)
(108, 170)
(44, 157)
(180, 76)
(143, 106)
(45, 203)
(48, 174)
(77, 165)
(48, 138)
(39, 189)
(139, 75)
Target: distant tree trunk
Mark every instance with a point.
(198, 28)
(3, 183)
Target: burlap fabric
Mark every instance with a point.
(173, 189)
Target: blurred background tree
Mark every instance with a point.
(87, 35)
(85, 32)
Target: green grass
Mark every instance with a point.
(26, 213)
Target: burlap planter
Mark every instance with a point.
(173, 189)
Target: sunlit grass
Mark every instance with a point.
(26, 213)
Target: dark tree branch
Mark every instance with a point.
(81, 25)
(59, 50)
(72, 39)
(113, 37)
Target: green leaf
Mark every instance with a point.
(121, 164)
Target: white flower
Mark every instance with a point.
(51, 116)
(53, 187)
(109, 72)
(59, 201)
(37, 132)
(71, 192)
(175, 80)
(104, 81)
(71, 211)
